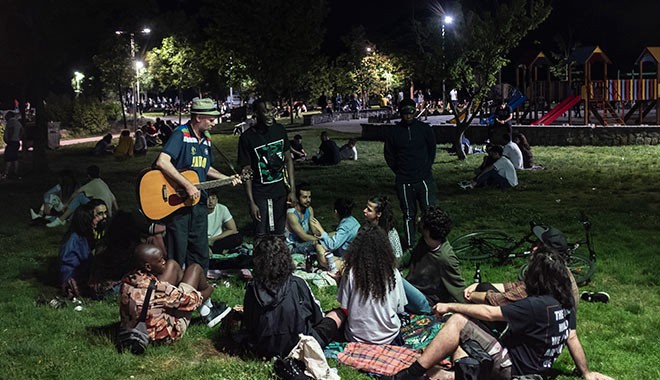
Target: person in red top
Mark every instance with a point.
(176, 295)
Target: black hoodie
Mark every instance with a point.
(410, 151)
(273, 320)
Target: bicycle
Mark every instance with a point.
(484, 245)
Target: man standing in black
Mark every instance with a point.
(410, 152)
(265, 149)
(502, 123)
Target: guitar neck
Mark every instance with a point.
(213, 183)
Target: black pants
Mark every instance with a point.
(273, 216)
(187, 239)
(411, 194)
(230, 242)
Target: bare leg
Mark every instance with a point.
(445, 343)
(194, 275)
(172, 274)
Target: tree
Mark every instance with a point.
(175, 64)
(488, 33)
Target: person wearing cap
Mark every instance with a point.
(265, 149)
(189, 148)
(410, 151)
(551, 239)
(502, 124)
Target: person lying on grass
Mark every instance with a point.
(176, 295)
(278, 305)
(538, 326)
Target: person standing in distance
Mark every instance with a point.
(189, 147)
(410, 151)
(265, 149)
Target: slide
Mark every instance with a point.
(516, 100)
(558, 110)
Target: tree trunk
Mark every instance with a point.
(39, 158)
(121, 101)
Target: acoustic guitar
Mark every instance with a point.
(159, 197)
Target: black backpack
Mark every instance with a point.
(136, 339)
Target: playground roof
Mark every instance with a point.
(650, 54)
(589, 54)
(538, 59)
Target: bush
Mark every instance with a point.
(88, 116)
(59, 108)
(112, 109)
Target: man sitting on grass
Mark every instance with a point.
(538, 326)
(299, 237)
(500, 174)
(176, 295)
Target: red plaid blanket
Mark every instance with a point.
(384, 360)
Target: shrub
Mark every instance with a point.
(88, 116)
(59, 108)
(112, 109)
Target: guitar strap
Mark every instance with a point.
(225, 158)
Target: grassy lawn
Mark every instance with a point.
(618, 187)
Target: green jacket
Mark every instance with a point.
(436, 274)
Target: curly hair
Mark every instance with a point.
(548, 275)
(384, 207)
(81, 221)
(437, 222)
(372, 262)
(303, 186)
(272, 263)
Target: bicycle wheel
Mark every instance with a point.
(481, 245)
(581, 267)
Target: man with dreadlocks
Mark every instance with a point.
(370, 291)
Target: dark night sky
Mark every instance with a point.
(621, 28)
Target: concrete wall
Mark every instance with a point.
(544, 136)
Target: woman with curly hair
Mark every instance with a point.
(434, 274)
(379, 213)
(370, 291)
(278, 305)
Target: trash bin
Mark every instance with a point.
(54, 134)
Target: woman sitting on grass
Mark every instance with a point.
(379, 213)
(278, 305)
(87, 227)
(370, 291)
(55, 199)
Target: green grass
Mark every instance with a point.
(618, 187)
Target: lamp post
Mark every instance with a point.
(136, 94)
(446, 20)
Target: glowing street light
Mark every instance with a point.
(76, 82)
(446, 20)
(136, 96)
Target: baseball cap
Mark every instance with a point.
(551, 238)
(204, 106)
(407, 106)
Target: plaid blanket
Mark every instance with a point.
(383, 360)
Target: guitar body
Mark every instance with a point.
(159, 198)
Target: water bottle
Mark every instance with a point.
(330, 260)
(477, 274)
(309, 263)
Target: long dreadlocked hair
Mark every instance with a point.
(372, 262)
(272, 263)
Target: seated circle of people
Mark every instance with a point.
(279, 305)
(328, 153)
(177, 294)
(538, 326)
(434, 275)
(299, 235)
(56, 198)
(349, 151)
(223, 233)
(75, 256)
(338, 242)
(297, 151)
(378, 212)
(95, 188)
(370, 290)
(500, 173)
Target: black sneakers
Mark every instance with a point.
(217, 313)
(595, 297)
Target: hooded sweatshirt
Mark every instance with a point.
(273, 319)
(410, 151)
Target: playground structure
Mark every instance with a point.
(585, 99)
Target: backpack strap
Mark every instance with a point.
(147, 298)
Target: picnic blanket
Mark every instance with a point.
(383, 360)
(420, 331)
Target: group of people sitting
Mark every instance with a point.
(328, 152)
(150, 134)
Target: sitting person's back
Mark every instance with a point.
(348, 151)
(513, 153)
(371, 291)
(278, 305)
(103, 146)
(526, 150)
(125, 145)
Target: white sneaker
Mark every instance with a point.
(34, 215)
(56, 223)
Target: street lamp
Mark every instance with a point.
(446, 20)
(136, 95)
(76, 82)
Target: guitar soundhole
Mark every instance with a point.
(174, 200)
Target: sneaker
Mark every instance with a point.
(404, 375)
(218, 312)
(595, 297)
(55, 223)
(34, 215)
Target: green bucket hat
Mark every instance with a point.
(204, 106)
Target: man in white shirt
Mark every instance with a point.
(513, 153)
(222, 231)
(501, 173)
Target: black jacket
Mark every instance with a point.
(273, 320)
(410, 151)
